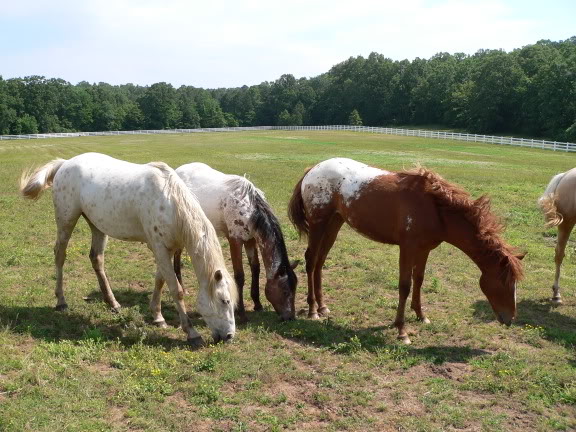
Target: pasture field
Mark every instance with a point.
(92, 370)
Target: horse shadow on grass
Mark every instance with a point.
(345, 340)
(131, 325)
(547, 317)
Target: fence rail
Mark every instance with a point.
(522, 142)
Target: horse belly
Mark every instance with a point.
(113, 209)
(117, 223)
(393, 218)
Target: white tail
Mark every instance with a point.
(547, 202)
(34, 181)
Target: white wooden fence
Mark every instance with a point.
(522, 142)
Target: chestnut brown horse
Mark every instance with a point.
(416, 210)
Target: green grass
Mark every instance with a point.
(89, 369)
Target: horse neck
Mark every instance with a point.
(200, 266)
(271, 252)
(462, 234)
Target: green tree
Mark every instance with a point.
(159, 106)
(284, 118)
(354, 118)
(28, 124)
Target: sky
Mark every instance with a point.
(226, 43)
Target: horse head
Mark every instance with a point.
(499, 286)
(281, 291)
(216, 305)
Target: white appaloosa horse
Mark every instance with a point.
(145, 203)
(559, 205)
(239, 211)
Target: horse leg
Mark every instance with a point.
(315, 235)
(406, 265)
(166, 270)
(417, 279)
(99, 240)
(236, 255)
(65, 228)
(155, 301)
(178, 268)
(564, 230)
(252, 254)
(330, 234)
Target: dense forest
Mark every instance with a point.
(529, 91)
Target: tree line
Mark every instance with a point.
(529, 91)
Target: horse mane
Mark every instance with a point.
(477, 212)
(263, 220)
(198, 233)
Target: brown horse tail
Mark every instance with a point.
(551, 215)
(35, 181)
(296, 208)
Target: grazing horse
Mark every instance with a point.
(416, 210)
(559, 205)
(239, 211)
(145, 203)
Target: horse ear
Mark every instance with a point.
(218, 275)
(294, 264)
(521, 256)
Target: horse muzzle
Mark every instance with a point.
(226, 339)
(505, 318)
(288, 315)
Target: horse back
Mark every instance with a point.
(223, 198)
(120, 198)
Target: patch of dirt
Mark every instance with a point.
(101, 368)
(117, 418)
(451, 371)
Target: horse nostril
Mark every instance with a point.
(288, 316)
(228, 337)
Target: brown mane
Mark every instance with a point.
(478, 212)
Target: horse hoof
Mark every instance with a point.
(405, 340)
(61, 307)
(557, 300)
(161, 324)
(115, 309)
(313, 315)
(258, 308)
(424, 320)
(324, 311)
(196, 342)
